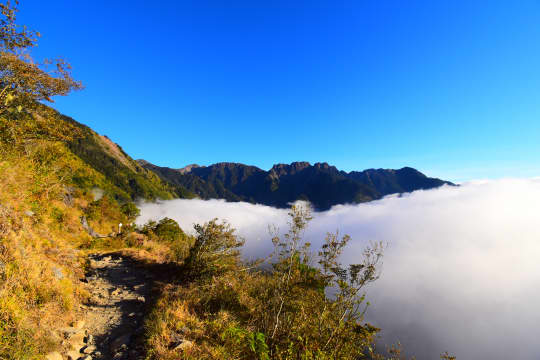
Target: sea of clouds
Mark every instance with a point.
(461, 270)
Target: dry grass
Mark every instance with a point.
(40, 265)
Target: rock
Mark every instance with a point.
(67, 332)
(58, 273)
(183, 345)
(73, 355)
(120, 343)
(141, 298)
(97, 193)
(89, 229)
(116, 292)
(87, 357)
(68, 195)
(54, 356)
(29, 213)
(77, 337)
(89, 349)
(76, 341)
(97, 354)
(89, 339)
(79, 324)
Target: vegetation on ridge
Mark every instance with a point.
(231, 310)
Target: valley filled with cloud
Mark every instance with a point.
(461, 265)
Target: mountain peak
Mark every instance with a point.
(143, 162)
(289, 169)
(188, 168)
(325, 166)
(322, 184)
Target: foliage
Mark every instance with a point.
(168, 231)
(292, 310)
(130, 181)
(130, 210)
(39, 266)
(24, 81)
(301, 289)
(253, 341)
(215, 250)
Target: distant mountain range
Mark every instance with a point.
(321, 184)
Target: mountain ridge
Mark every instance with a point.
(321, 184)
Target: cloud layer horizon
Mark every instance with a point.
(460, 270)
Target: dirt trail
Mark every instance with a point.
(114, 316)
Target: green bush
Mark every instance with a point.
(130, 210)
(215, 250)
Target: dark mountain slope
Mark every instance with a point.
(321, 184)
(388, 181)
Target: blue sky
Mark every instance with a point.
(449, 87)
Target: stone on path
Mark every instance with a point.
(120, 343)
(73, 355)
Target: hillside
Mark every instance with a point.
(127, 180)
(321, 184)
(64, 190)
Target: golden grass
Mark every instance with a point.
(40, 266)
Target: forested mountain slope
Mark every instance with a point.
(321, 184)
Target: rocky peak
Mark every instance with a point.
(325, 166)
(293, 168)
(188, 168)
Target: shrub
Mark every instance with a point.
(215, 250)
(130, 210)
(298, 306)
(168, 230)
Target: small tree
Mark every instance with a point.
(130, 210)
(215, 250)
(168, 230)
(24, 81)
(317, 312)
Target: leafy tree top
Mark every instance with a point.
(23, 81)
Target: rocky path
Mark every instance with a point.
(110, 325)
(114, 315)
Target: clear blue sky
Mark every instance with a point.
(449, 87)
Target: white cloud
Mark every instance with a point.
(461, 271)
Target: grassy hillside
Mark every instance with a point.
(55, 173)
(128, 180)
